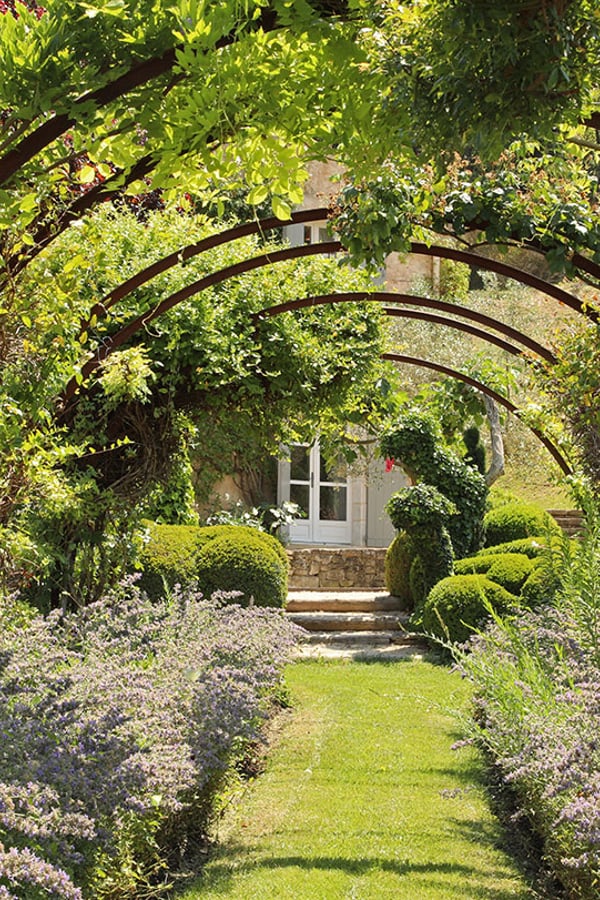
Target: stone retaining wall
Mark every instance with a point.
(314, 568)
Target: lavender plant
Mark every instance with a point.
(116, 724)
(537, 713)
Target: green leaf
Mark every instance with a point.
(281, 208)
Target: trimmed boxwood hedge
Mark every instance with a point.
(510, 570)
(517, 520)
(398, 560)
(529, 546)
(177, 554)
(456, 606)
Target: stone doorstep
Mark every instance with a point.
(340, 601)
(349, 621)
(360, 638)
(358, 653)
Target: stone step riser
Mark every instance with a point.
(342, 606)
(361, 638)
(348, 621)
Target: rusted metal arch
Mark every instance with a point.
(208, 243)
(325, 248)
(257, 262)
(457, 325)
(499, 398)
(427, 302)
(317, 214)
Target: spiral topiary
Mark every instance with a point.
(421, 512)
(415, 443)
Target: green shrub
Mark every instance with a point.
(541, 586)
(456, 606)
(416, 443)
(473, 565)
(398, 560)
(171, 553)
(422, 510)
(510, 571)
(243, 562)
(530, 546)
(517, 520)
(419, 505)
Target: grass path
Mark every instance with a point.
(363, 798)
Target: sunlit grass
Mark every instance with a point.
(364, 798)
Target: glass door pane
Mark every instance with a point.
(333, 503)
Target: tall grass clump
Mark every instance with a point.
(117, 724)
(537, 711)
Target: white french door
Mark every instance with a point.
(322, 491)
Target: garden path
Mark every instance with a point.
(363, 798)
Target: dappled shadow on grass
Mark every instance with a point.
(221, 877)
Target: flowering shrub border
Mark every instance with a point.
(537, 713)
(116, 726)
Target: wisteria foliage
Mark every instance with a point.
(115, 726)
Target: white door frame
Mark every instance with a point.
(323, 493)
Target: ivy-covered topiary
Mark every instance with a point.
(398, 560)
(415, 443)
(172, 554)
(515, 521)
(457, 606)
(419, 506)
(421, 512)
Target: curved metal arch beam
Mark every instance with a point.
(409, 299)
(248, 265)
(186, 253)
(493, 265)
(317, 214)
(120, 337)
(499, 398)
(454, 323)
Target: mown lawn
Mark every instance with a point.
(363, 797)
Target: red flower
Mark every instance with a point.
(389, 464)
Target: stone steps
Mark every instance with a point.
(570, 520)
(347, 623)
(340, 601)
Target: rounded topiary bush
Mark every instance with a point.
(530, 546)
(243, 562)
(398, 560)
(171, 553)
(510, 570)
(517, 520)
(456, 606)
(541, 587)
